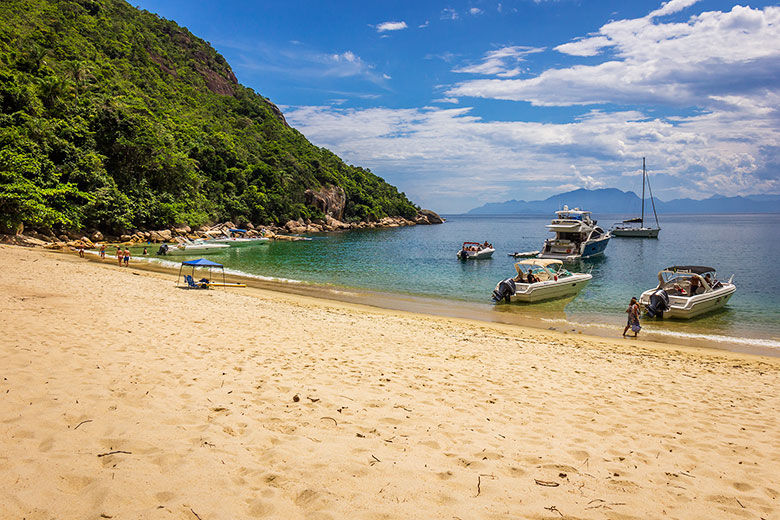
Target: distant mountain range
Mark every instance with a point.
(612, 200)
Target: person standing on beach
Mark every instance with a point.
(127, 257)
(119, 255)
(633, 317)
(81, 250)
(103, 252)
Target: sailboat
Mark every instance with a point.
(627, 228)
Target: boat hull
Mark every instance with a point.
(475, 255)
(550, 289)
(216, 248)
(636, 232)
(589, 250)
(682, 307)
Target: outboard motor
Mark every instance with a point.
(504, 290)
(463, 255)
(659, 302)
(163, 250)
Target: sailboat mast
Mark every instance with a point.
(643, 192)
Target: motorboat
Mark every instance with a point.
(475, 251)
(685, 291)
(549, 280)
(628, 228)
(237, 237)
(576, 236)
(197, 247)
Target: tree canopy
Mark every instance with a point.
(114, 118)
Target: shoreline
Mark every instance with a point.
(126, 397)
(539, 318)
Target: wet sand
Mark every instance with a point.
(126, 397)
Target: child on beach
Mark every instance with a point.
(633, 317)
(103, 252)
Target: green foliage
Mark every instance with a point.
(115, 118)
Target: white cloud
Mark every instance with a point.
(424, 25)
(501, 62)
(454, 101)
(449, 14)
(474, 11)
(391, 26)
(671, 7)
(451, 160)
(677, 64)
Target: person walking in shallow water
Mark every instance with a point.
(127, 257)
(119, 255)
(633, 317)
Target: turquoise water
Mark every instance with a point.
(420, 260)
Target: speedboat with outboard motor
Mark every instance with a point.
(576, 236)
(475, 251)
(685, 291)
(237, 237)
(540, 279)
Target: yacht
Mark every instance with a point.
(685, 291)
(550, 280)
(475, 251)
(196, 247)
(628, 228)
(576, 236)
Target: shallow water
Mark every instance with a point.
(420, 261)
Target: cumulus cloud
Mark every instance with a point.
(474, 11)
(677, 64)
(501, 62)
(449, 14)
(439, 155)
(391, 26)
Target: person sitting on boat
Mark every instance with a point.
(531, 277)
(694, 284)
(679, 290)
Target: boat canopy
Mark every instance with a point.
(201, 262)
(536, 262)
(695, 269)
(633, 220)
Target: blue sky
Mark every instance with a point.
(463, 103)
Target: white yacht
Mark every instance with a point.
(549, 280)
(475, 251)
(628, 228)
(576, 236)
(685, 291)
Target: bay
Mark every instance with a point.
(420, 261)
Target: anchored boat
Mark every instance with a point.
(540, 279)
(475, 251)
(685, 291)
(627, 228)
(576, 236)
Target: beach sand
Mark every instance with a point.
(122, 396)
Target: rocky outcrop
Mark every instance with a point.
(426, 216)
(330, 200)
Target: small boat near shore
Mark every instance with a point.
(548, 280)
(686, 291)
(627, 228)
(191, 248)
(577, 236)
(475, 251)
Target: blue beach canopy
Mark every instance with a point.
(201, 262)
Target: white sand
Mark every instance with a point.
(398, 415)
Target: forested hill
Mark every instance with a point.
(114, 118)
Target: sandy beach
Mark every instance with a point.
(126, 397)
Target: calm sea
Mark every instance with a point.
(420, 262)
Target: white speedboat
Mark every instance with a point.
(576, 236)
(549, 280)
(475, 251)
(685, 291)
(239, 241)
(191, 248)
(628, 228)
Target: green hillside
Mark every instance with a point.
(115, 118)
